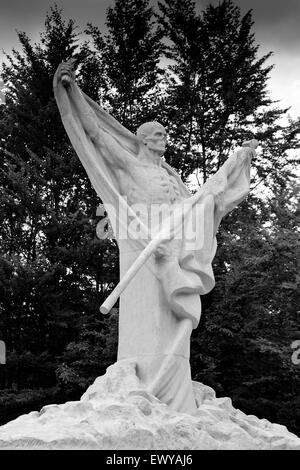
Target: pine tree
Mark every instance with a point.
(129, 55)
(55, 270)
(217, 97)
(54, 273)
(217, 93)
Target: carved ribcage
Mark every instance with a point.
(153, 185)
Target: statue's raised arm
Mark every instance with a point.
(117, 144)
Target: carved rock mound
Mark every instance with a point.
(116, 413)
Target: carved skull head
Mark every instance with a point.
(153, 135)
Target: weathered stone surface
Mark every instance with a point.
(117, 413)
(160, 280)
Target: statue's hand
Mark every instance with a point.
(163, 251)
(252, 144)
(248, 148)
(65, 72)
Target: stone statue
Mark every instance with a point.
(167, 241)
(161, 304)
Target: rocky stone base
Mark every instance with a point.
(116, 413)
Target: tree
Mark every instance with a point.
(217, 94)
(55, 270)
(217, 97)
(211, 92)
(129, 55)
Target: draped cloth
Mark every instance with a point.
(161, 306)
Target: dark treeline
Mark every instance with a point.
(202, 76)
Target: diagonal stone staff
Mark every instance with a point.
(164, 234)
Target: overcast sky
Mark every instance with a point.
(277, 26)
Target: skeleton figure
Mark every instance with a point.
(161, 305)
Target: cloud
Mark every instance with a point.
(276, 29)
(276, 21)
(268, 12)
(29, 16)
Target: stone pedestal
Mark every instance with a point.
(117, 413)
